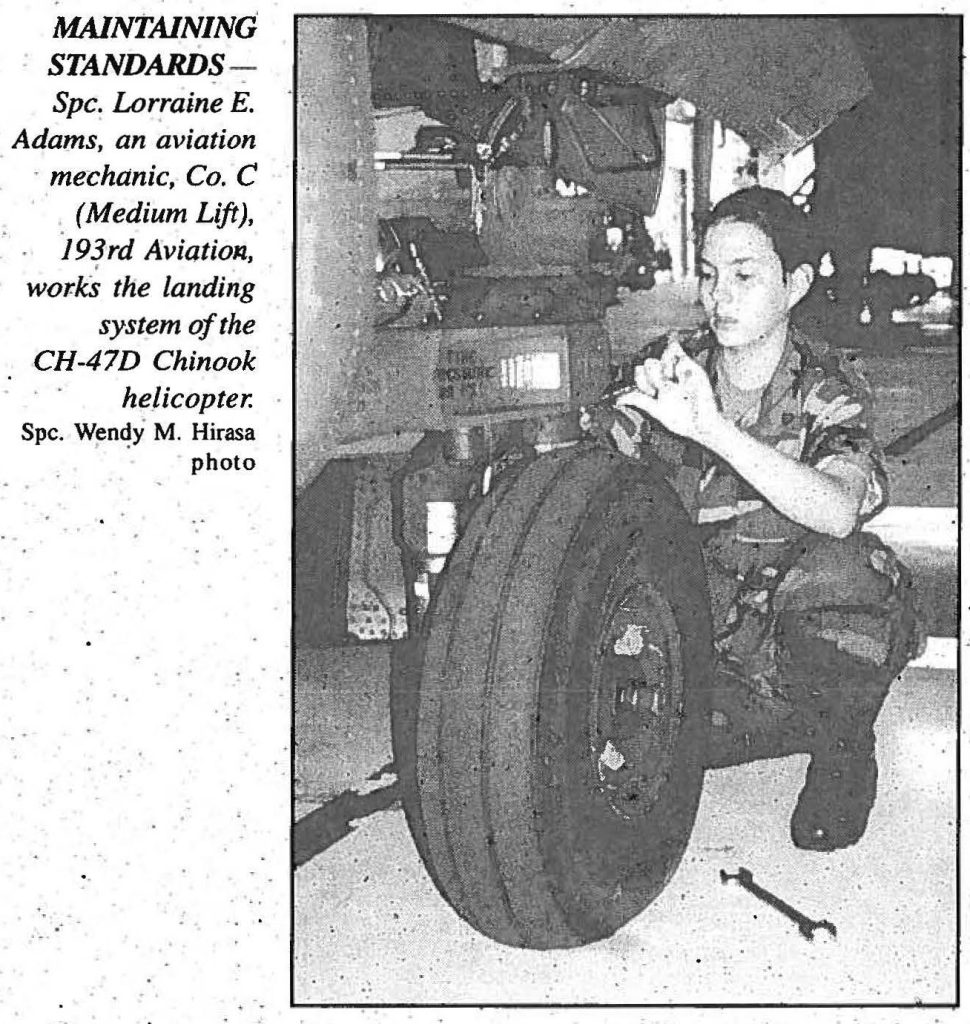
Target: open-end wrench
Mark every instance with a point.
(806, 925)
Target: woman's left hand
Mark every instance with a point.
(677, 393)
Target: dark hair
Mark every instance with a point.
(788, 228)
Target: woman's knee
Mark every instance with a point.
(847, 604)
(858, 570)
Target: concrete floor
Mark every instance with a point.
(370, 927)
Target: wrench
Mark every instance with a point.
(806, 925)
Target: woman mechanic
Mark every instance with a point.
(769, 443)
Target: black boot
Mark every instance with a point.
(839, 792)
(840, 784)
(841, 696)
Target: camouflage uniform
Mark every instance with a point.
(809, 630)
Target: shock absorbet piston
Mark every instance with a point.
(430, 495)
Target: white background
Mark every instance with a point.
(144, 614)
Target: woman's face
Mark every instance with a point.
(743, 285)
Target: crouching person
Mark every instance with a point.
(768, 438)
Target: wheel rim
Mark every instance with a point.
(636, 694)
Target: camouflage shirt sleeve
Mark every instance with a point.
(837, 431)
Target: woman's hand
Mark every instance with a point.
(677, 393)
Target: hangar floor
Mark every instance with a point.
(369, 927)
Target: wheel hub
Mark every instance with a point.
(637, 695)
